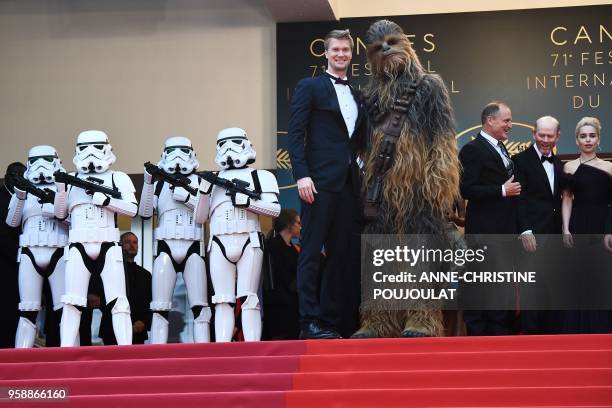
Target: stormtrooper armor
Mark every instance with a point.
(93, 236)
(235, 247)
(178, 241)
(41, 244)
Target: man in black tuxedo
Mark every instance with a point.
(540, 173)
(325, 129)
(487, 182)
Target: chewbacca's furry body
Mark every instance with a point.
(423, 182)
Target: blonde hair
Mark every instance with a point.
(338, 35)
(589, 121)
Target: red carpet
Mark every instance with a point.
(521, 371)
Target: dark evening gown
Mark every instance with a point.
(592, 189)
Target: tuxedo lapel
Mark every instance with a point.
(335, 104)
(331, 92)
(491, 151)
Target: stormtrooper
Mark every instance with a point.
(41, 244)
(93, 236)
(177, 238)
(235, 248)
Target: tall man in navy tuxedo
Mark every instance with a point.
(326, 128)
(540, 174)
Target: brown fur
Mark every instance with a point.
(423, 182)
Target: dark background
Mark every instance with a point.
(487, 56)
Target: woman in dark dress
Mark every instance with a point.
(585, 207)
(280, 297)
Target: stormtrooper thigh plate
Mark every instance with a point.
(77, 282)
(35, 263)
(182, 255)
(235, 265)
(41, 246)
(182, 252)
(78, 274)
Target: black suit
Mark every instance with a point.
(608, 228)
(488, 212)
(138, 281)
(320, 148)
(538, 210)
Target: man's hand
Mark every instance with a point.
(568, 240)
(306, 189)
(138, 326)
(529, 242)
(608, 242)
(513, 188)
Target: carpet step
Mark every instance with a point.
(310, 363)
(292, 348)
(381, 380)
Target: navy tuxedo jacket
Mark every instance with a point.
(319, 144)
(539, 208)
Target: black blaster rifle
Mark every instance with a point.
(45, 195)
(232, 186)
(90, 184)
(176, 180)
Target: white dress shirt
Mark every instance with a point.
(548, 168)
(495, 143)
(347, 103)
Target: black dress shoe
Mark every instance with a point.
(313, 331)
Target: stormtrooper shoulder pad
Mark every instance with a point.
(267, 181)
(123, 182)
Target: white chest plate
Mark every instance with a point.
(175, 219)
(89, 222)
(39, 229)
(224, 217)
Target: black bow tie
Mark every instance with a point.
(338, 80)
(547, 158)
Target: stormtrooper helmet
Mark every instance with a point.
(234, 150)
(93, 152)
(178, 156)
(43, 161)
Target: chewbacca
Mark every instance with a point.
(421, 183)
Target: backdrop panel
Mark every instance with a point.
(545, 61)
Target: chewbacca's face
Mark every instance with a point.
(389, 50)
